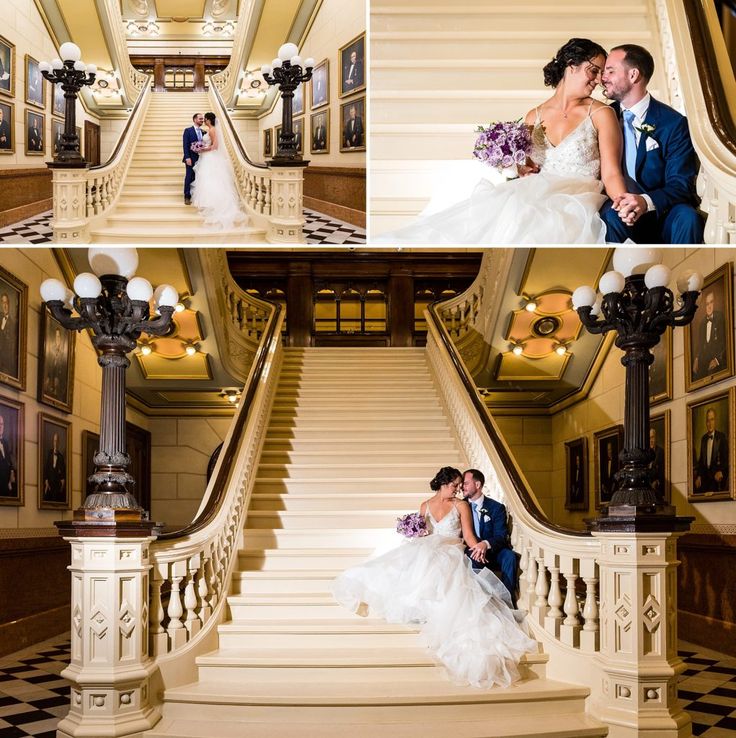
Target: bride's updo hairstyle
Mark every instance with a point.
(445, 475)
(575, 52)
(210, 118)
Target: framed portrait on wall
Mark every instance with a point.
(35, 133)
(58, 103)
(320, 84)
(267, 143)
(35, 89)
(13, 326)
(710, 444)
(12, 442)
(297, 104)
(57, 129)
(319, 132)
(660, 370)
(352, 120)
(299, 134)
(7, 128)
(659, 442)
(576, 477)
(55, 362)
(608, 443)
(7, 67)
(54, 468)
(352, 66)
(709, 338)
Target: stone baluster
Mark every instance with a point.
(192, 622)
(177, 632)
(589, 636)
(205, 608)
(570, 628)
(541, 589)
(553, 618)
(159, 637)
(531, 580)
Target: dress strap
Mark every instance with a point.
(538, 118)
(590, 107)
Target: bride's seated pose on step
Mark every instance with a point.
(466, 618)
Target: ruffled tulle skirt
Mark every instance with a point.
(465, 618)
(539, 209)
(214, 192)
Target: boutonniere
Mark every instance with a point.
(483, 511)
(646, 128)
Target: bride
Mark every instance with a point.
(466, 618)
(575, 165)
(214, 192)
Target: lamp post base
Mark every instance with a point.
(287, 160)
(639, 519)
(71, 163)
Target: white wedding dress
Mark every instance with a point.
(466, 618)
(214, 192)
(559, 205)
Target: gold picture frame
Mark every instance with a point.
(660, 370)
(13, 330)
(354, 141)
(56, 346)
(7, 67)
(660, 465)
(607, 444)
(576, 474)
(319, 86)
(352, 74)
(35, 139)
(323, 145)
(7, 127)
(12, 440)
(35, 83)
(54, 468)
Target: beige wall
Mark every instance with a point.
(22, 25)
(337, 23)
(180, 450)
(604, 407)
(32, 266)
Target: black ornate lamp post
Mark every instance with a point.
(637, 304)
(114, 305)
(286, 71)
(72, 74)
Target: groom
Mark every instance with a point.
(659, 162)
(489, 520)
(191, 135)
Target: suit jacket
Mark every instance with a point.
(713, 349)
(492, 524)
(35, 142)
(320, 138)
(354, 80)
(8, 488)
(55, 476)
(8, 346)
(656, 468)
(190, 136)
(5, 133)
(666, 173)
(718, 462)
(354, 132)
(607, 479)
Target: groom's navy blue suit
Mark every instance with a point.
(665, 171)
(190, 136)
(493, 529)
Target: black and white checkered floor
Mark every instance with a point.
(33, 696)
(319, 229)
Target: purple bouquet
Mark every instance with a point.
(197, 147)
(412, 525)
(503, 145)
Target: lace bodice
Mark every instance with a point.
(577, 155)
(448, 527)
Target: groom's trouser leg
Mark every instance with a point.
(645, 230)
(188, 179)
(683, 224)
(505, 560)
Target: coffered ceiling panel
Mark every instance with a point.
(84, 24)
(180, 8)
(273, 30)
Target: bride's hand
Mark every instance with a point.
(530, 167)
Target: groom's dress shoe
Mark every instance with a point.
(187, 200)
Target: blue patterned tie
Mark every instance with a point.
(630, 144)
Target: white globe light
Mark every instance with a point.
(518, 350)
(296, 61)
(139, 288)
(689, 281)
(91, 69)
(87, 285)
(69, 300)
(287, 51)
(80, 66)
(165, 296)
(657, 276)
(309, 63)
(595, 311)
(70, 52)
(52, 290)
(56, 64)
(635, 260)
(611, 282)
(44, 66)
(583, 297)
(123, 261)
(266, 69)
(276, 63)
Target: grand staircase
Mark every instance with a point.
(151, 207)
(354, 437)
(439, 69)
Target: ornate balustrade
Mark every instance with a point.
(603, 606)
(82, 196)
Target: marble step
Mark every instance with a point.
(264, 501)
(297, 560)
(321, 537)
(307, 520)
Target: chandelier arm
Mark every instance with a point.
(159, 326)
(64, 316)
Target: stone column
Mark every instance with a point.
(300, 305)
(69, 185)
(159, 75)
(199, 75)
(638, 636)
(110, 665)
(401, 306)
(286, 222)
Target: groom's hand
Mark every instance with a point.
(478, 552)
(189, 162)
(630, 207)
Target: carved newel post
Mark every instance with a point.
(638, 531)
(110, 664)
(287, 71)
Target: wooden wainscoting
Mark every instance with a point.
(36, 590)
(336, 191)
(706, 585)
(25, 193)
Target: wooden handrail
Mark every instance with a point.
(509, 463)
(219, 489)
(124, 134)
